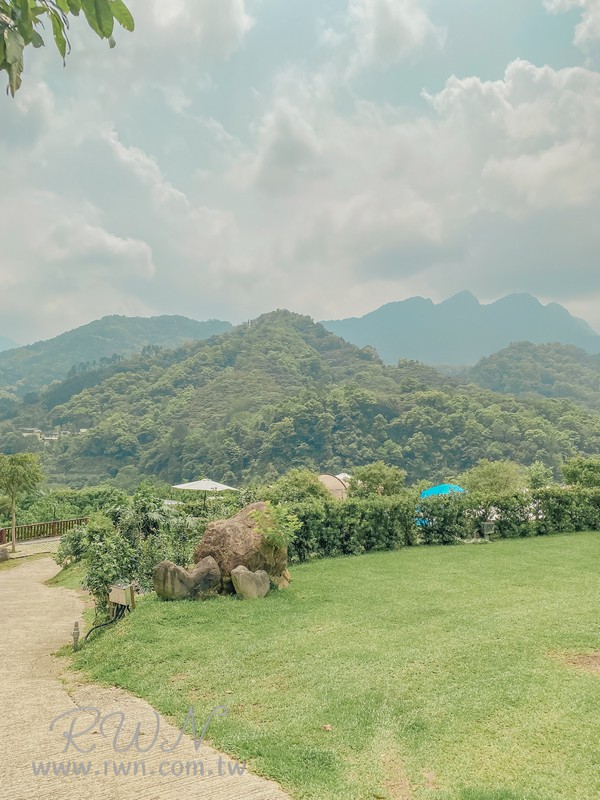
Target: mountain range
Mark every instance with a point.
(461, 330)
(277, 393)
(457, 332)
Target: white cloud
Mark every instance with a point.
(588, 30)
(147, 171)
(217, 25)
(387, 31)
(157, 198)
(376, 199)
(61, 268)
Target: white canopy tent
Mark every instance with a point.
(205, 486)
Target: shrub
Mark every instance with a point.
(332, 528)
(72, 546)
(297, 485)
(276, 524)
(109, 556)
(376, 479)
(443, 519)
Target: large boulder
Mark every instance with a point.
(4, 554)
(172, 582)
(250, 585)
(236, 542)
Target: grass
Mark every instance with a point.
(435, 669)
(70, 577)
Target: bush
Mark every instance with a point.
(297, 486)
(376, 479)
(276, 524)
(72, 546)
(443, 519)
(109, 556)
(332, 528)
(128, 541)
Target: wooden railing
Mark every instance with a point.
(42, 530)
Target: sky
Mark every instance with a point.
(231, 157)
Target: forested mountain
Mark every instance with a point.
(283, 392)
(28, 368)
(550, 370)
(6, 344)
(461, 330)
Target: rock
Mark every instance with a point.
(250, 585)
(236, 542)
(172, 582)
(282, 581)
(4, 554)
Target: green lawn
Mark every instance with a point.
(438, 669)
(70, 577)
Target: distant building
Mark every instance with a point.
(27, 432)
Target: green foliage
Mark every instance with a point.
(127, 540)
(19, 473)
(549, 370)
(48, 505)
(84, 357)
(539, 476)
(495, 477)
(330, 528)
(277, 525)
(443, 519)
(110, 557)
(22, 20)
(582, 471)
(296, 485)
(358, 525)
(376, 479)
(72, 547)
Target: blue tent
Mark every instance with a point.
(444, 488)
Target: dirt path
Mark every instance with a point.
(36, 620)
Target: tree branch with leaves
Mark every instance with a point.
(22, 20)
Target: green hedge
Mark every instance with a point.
(332, 528)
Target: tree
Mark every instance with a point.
(297, 485)
(19, 473)
(376, 478)
(582, 471)
(540, 475)
(495, 477)
(21, 21)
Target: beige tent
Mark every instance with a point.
(336, 487)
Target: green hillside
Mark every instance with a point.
(25, 369)
(549, 370)
(283, 392)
